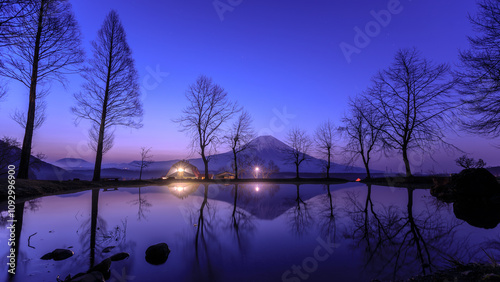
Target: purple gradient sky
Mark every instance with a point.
(268, 55)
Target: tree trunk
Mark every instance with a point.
(366, 161)
(328, 164)
(368, 175)
(98, 158)
(30, 121)
(297, 171)
(140, 174)
(407, 163)
(235, 164)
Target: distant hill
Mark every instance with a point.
(42, 170)
(74, 163)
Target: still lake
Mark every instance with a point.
(341, 232)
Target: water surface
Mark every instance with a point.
(251, 232)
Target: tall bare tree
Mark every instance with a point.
(479, 76)
(209, 108)
(238, 138)
(362, 128)
(324, 141)
(146, 160)
(298, 148)
(110, 95)
(48, 48)
(413, 96)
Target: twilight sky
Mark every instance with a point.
(281, 60)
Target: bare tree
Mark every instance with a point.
(479, 76)
(146, 160)
(299, 145)
(413, 97)
(110, 95)
(362, 128)
(324, 139)
(238, 138)
(48, 48)
(208, 109)
(466, 162)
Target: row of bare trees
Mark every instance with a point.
(42, 43)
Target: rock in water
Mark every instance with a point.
(108, 249)
(475, 182)
(47, 256)
(157, 254)
(58, 254)
(119, 256)
(102, 267)
(478, 212)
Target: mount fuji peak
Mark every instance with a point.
(267, 142)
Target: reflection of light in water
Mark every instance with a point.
(180, 189)
(257, 188)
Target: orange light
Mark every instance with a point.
(358, 180)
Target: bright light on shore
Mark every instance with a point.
(257, 188)
(257, 169)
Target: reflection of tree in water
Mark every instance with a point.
(143, 206)
(299, 216)
(326, 216)
(206, 228)
(241, 223)
(214, 230)
(397, 240)
(95, 235)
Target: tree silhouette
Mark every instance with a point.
(146, 160)
(362, 128)
(47, 48)
(324, 138)
(239, 137)
(209, 108)
(110, 94)
(479, 75)
(298, 148)
(413, 97)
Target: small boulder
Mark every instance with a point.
(119, 256)
(102, 267)
(108, 249)
(157, 254)
(58, 254)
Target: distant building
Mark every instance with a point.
(183, 170)
(224, 175)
